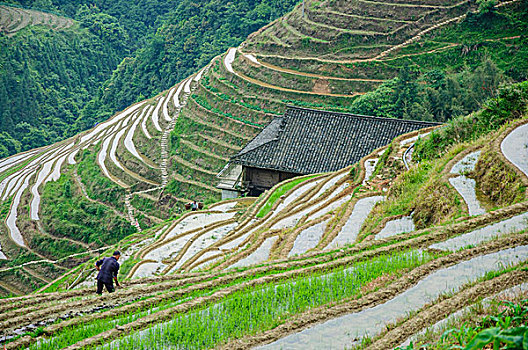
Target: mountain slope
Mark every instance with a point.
(366, 256)
(83, 74)
(356, 242)
(137, 169)
(50, 66)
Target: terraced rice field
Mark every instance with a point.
(324, 260)
(343, 49)
(201, 269)
(120, 155)
(13, 19)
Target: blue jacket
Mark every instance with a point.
(108, 269)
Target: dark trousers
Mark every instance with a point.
(109, 286)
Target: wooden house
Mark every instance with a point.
(307, 141)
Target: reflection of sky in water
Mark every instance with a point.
(396, 227)
(466, 186)
(351, 229)
(259, 255)
(466, 164)
(308, 238)
(521, 288)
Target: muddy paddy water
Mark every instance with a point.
(260, 255)
(515, 148)
(351, 229)
(204, 242)
(308, 238)
(443, 324)
(396, 227)
(344, 331)
(293, 195)
(370, 166)
(198, 220)
(466, 186)
(484, 234)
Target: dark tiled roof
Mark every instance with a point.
(306, 141)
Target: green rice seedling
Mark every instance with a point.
(254, 310)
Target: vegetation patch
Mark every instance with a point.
(97, 185)
(65, 213)
(485, 325)
(437, 202)
(255, 310)
(511, 103)
(417, 190)
(497, 183)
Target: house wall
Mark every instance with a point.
(261, 180)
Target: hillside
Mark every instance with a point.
(143, 164)
(50, 68)
(372, 245)
(434, 221)
(79, 70)
(13, 19)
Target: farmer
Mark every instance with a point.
(194, 206)
(108, 268)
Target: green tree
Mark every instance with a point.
(486, 6)
(405, 92)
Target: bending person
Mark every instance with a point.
(108, 269)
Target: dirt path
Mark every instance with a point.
(36, 275)
(10, 289)
(217, 127)
(220, 142)
(397, 4)
(304, 74)
(180, 178)
(221, 116)
(418, 36)
(81, 186)
(54, 261)
(47, 234)
(194, 167)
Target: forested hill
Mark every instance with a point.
(137, 18)
(189, 37)
(48, 77)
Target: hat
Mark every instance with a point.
(117, 252)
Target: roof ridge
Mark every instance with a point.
(360, 115)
